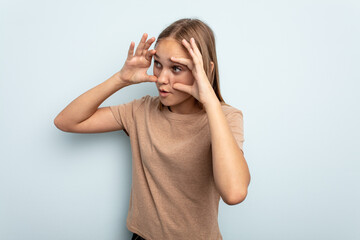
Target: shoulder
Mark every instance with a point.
(135, 104)
(149, 100)
(230, 110)
(146, 102)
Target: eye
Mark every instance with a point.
(176, 67)
(156, 63)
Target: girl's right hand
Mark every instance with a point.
(135, 68)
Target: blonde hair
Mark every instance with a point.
(187, 28)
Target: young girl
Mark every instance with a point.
(187, 144)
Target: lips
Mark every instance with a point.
(163, 93)
(162, 90)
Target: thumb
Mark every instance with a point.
(182, 87)
(152, 78)
(149, 54)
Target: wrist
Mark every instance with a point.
(118, 81)
(211, 101)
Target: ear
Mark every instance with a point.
(212, 65)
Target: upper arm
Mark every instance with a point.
(236, 124)
(102, 120)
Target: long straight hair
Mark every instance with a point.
(187, 28)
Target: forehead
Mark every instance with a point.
(169, 47)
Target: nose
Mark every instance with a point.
(163, 77)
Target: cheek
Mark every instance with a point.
(186, 79)
(155, 71)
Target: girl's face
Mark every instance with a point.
(169, 72)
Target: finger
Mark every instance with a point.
(182, 87)
(148, 43)
(151, 78)
(196, 58)
(196, 49)
(189, 48)
(183, 61)
(149, 54)
(140, 47)
(131, 50)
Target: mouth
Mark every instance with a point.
(163, 93)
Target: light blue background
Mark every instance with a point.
(292, 67)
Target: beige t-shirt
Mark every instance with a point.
(173, 193)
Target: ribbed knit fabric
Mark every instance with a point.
(173, 193)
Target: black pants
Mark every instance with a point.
(137, 237)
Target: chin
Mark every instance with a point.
(173, 100)
(165, 102)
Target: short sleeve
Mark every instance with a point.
(236, 124)
(124, 114)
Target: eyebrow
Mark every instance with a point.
(159, 57)
(170, 60)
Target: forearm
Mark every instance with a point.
(87, 103)
(231, 172)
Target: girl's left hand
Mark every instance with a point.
(201, 88)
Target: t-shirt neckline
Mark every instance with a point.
(182, 117)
